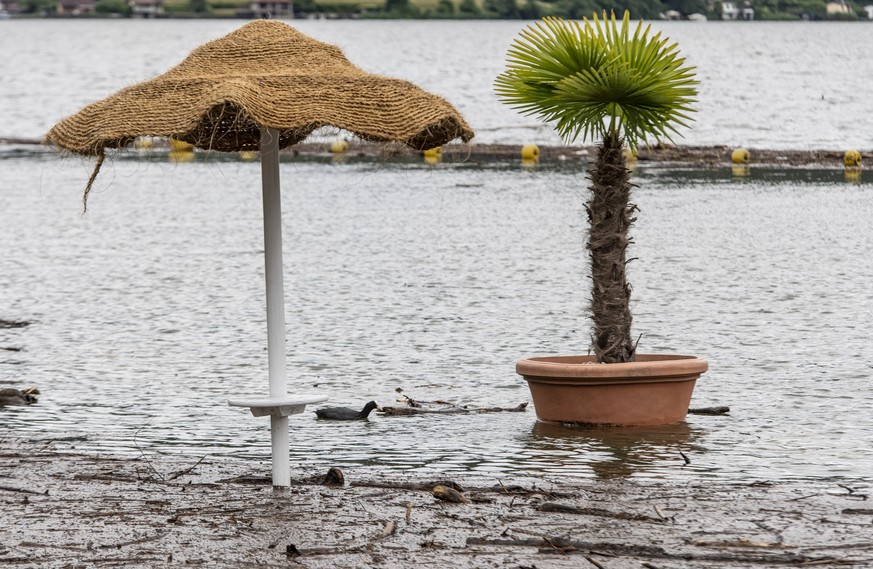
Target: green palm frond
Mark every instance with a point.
(595, 79)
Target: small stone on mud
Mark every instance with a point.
(334, 477)
(449, 494)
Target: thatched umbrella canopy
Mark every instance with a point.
(263, 87)
(265, 74)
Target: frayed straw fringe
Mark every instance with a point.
(101, 155)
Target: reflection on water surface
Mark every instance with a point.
(610, 452)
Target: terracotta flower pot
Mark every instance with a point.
(654, 390)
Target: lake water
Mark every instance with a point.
(148, 312)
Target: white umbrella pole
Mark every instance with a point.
(278, 406)
(275, 301)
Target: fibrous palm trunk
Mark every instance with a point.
(610, 214)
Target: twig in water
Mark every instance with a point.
(660, 513)
(187, 470)
(20, 490)
(595, 563)
(852, 492)
(802, 497)
(559, 544)
(569, 509)
(144, 457)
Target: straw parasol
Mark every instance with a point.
(264, 87)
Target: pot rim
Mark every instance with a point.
(646, 366)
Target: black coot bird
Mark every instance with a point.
(344, 413)
(12, 396)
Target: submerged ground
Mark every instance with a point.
(77, 510)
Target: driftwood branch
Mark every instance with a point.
(13, 323)
(595, 563)
(398, 485)
(187, 470)
(451, 410)
(19, 490)
(568, 509)
(549, 543)
(721, 410)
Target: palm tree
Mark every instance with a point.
(603, 82)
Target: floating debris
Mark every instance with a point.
(721, 410)
(415, 407)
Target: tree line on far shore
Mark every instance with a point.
(645, 9)
(480, 9)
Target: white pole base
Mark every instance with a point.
(280, 447)
(278, 410)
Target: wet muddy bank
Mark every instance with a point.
(62, 509)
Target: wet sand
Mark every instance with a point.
(62, 509)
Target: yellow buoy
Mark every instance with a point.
(433, 155)
(143, 143)
(181, 156)
(530, 152)
(852, 159)
(740, 156)
(339, 146)
(248, 155)
(179, 146)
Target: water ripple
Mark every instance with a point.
(148, 313)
